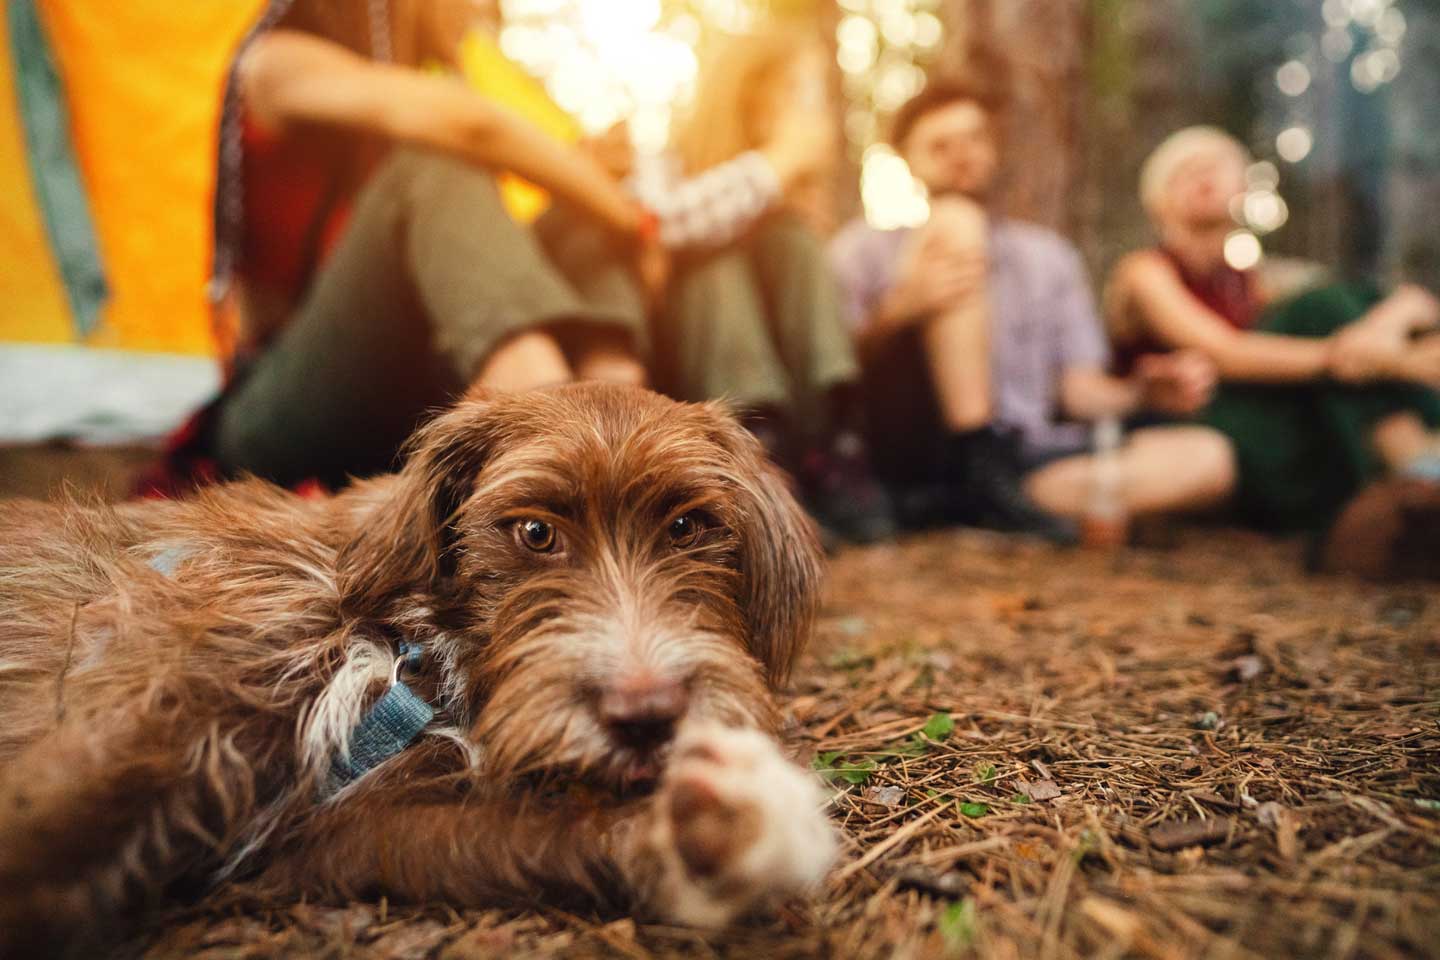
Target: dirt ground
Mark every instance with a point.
(1181, 752)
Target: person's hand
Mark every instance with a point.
(612, 150)
(947, 263)
(1411, 307)
(932, 283)
(1364, 351)
(652, 268)
(1179, 383)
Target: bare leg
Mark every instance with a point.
(957, 348)
(609, 358)
(1150, 482)
(527, 360)
(1400, 438)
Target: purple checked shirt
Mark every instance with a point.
(1042, 318)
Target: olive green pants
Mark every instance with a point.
(429, 277)
(758, 323)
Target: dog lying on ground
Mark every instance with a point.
(534, 663)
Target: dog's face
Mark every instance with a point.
(605, 566)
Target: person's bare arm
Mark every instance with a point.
(1177, 384)
(1149, 285)
(1088, 393)
(288, 77)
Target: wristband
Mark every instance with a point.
(648, 230)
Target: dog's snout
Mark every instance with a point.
(643, 713)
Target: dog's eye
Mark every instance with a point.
(685, 530)
(536, 535)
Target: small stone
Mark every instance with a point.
(886, 796)
(1247, 668)
(948, 885)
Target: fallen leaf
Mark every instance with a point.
(410, 941)
(1039, 790)
(1178, 834)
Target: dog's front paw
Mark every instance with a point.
(737, 827)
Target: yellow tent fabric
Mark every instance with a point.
(144, 80)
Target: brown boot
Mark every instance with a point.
(1389, 531)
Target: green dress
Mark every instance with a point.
(1303, 450)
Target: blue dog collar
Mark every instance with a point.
(388, 727)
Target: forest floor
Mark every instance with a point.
(1187, 751)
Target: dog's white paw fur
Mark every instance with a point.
(738, 826)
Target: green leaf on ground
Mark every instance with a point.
(848, 659)
(1019, 798)
(957, 925)
(939, 726)
(1425, 803)
(857, 772)
(985, 772)
(974, 809)
(832, 767)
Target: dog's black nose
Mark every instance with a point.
(642, 714)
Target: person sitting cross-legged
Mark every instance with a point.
(981, 350)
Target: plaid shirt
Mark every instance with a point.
(709, 209)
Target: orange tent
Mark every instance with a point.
(143, 82)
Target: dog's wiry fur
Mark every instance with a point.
(175, 678)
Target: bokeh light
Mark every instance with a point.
(1293, 78)
(1243, 250)
(892, 196)
(1294, 143)
(882, 48)
(610, 60)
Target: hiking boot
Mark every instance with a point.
(1389, 531)
(843, 495)
(983, 468)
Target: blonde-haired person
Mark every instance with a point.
(1321, 392)
(984, 354)
(752, 313)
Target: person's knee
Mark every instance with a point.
(1209, 461)
(418, 173)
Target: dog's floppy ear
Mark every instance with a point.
(780, 556)
(406, 541)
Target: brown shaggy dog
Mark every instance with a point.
(604, 585)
